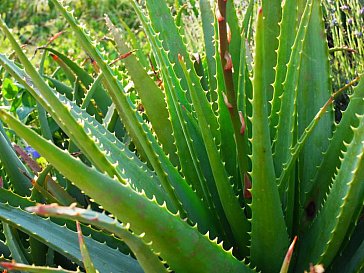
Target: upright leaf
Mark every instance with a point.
(268, 225)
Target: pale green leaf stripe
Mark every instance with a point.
(324, 238)
(65, 241)
(160, 226)
(149, 261)
(268, 224)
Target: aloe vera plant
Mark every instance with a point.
(229, 161)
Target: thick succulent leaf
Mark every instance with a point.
(15, 200)
(144, 215)
(248, 20)
(230, 203)
(151, 95)
(331, 160)
(14, 167)
(46, 96)
(164, 24)
(284, 139)
(351, 257)
(175, 186)
(313, 91)
(126, 164)
(272, 17)
(286, 129)
(136, 44)
(80, 73)
(287, 36)
(14, 243)
(65, 241)
(325, 236)
(266, 205)
(234, 32)
(287, 259)
(207, 19)
(102, 101)
(33, 269)
(148, 260)
(87, 261)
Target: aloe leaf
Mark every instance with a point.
(287, 37)
(286, 129)
(65, 241)
(287, 259)
(323, 239)
(234, 32)
(351, 257)
(176, 187)
(149, 261)
(272, 17)
(45, 95)
(207, 19)
(14, 243)
(248, 19)
(164, 24)
(32, 268)
(243, 96)
(125, 163)
(98, 93)
(230, 203)
(151, 95)
(266, 205)
(160, 226)
(87, 262)
(14, 167)
(136, 44)
(42, 114)
(78, 72)
(14, 200)
(313, 91)
(331, 160)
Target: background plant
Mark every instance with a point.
(192, 156)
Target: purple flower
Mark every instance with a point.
(32, 152)
(345, 7)
(361, 12)
(358, 34)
